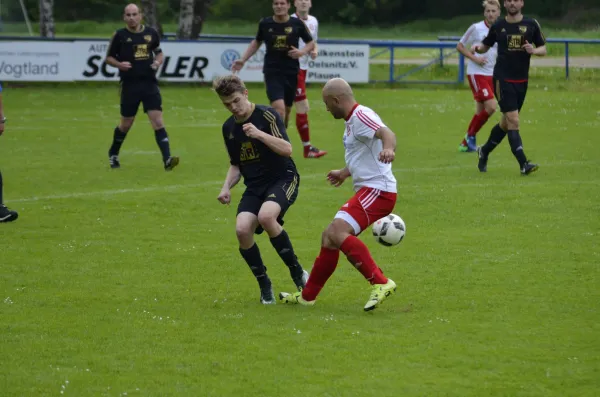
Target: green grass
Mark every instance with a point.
(130, 281)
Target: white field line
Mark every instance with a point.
(401, 187)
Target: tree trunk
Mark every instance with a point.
(47, 18)
(150, 14)
(186, 17)
(200, 11)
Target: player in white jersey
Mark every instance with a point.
(480, 70)
(302, 9)
(370, 149)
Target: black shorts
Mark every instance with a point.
(281, 86)
(283, 191)
(510, 96)
(146, 92)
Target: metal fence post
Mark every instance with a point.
(567, 59)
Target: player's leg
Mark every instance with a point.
(152, 102)
(464, 147)
(514, 136)
(341, 235)
(276, 93)
(6, 215)
(302, 125)
(486, 106)
(278, 200)
(245, 226)
(130, 101)
(507, 100)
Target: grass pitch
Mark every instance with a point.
(129, 281)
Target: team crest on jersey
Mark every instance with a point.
(148, 38)
(522, 29)
(288, 30)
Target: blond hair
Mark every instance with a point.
(491, 3)
(228, 85)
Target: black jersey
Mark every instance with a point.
(513, 61)
(259, 165)
(279, 38)
(139, 49)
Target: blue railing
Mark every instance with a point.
(566, 42)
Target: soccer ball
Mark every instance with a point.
(389, 230)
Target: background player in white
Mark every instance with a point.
(302, 10)
(370, 150)
(480, 71)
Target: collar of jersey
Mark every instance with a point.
(352, 111)
(141, 29)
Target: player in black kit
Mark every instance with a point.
(135, 51)
(281, 34)
(518, 38)
(260, 152)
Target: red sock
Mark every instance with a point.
(477, 122)
(323, 268)
(302, 126)
(358, 254)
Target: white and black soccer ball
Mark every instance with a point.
(389, 230)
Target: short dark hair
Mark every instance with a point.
(228, 85)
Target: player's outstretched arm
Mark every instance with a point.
(539, 51)
(460, 47)
(233, 177)
(238, 64)
(337, 177)
(388, 153)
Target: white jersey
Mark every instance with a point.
(475, 35)
(362, 151)
(313, 27)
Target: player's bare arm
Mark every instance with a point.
(238, 64)
(112, 61)
(297, 54)
(388, 138)
(315, 52)
(233, 177)
(539, 51)
(278, 145)
(337, 177)
(468, 54)
(158, 59)
(480, 48)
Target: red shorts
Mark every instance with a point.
(482, 87)
(301, 87)
(366, 207)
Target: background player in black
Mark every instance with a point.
(259, 151)
(281, 35)
(6, 215)
(516, 36)
(135, 51)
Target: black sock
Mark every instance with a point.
(1, 188)
(254, 261)
(516, 146)
(283, 246)
(162, 140)
(496, 136)
(118, 139)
